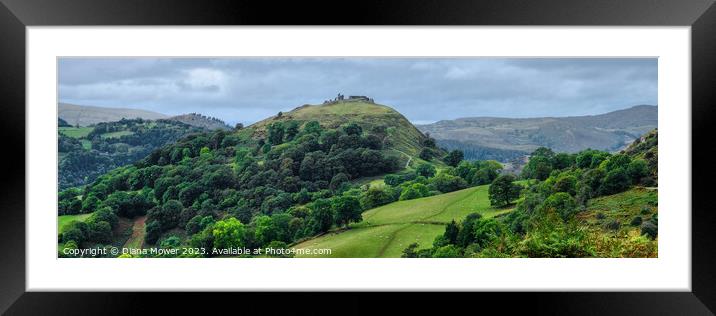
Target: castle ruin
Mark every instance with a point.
(351, 98)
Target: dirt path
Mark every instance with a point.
(136, 241)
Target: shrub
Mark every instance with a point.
(449, 251)
(636, 221)
(600, 216)
(613, 225)
(650, 229)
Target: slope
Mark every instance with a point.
(401, 135)
(387, 230)
(85, 115)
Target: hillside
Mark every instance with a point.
(387, 230)
(202, 121)
(88, 152)
(85, 115)
(290, 170)
(399, 133)
(509, 138)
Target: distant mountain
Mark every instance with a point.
(85, 115)
(198, 120)
(508, 138)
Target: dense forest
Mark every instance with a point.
(88, 152)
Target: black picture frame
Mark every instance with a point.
(16, 15)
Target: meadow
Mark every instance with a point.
(387, 230)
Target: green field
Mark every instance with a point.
(116, 134)
(64, 220)
(76, 132)
(387, 230)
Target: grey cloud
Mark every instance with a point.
(424, 89)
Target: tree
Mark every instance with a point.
(228, 233)
(637, 169)
(346, 209)
(337, 181)
(426, 154)
(615, 181)
(275, 133)
(503, 190)
(352, 129)
(562, 204)
(312, 127)
(320, 219)
(445, 183)
(426, 170)
(410, 193)
(566, 183)
(291, 130)
(454, 157)
(264, 230)
(451, 232)
(153, 231)
(376, 196)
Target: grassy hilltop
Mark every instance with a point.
(401, 134)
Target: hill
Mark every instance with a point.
(88, 152)
(202, 121)
(287, 172)
(86, 115)
(387, 230)
(395, 130)
(509, 138)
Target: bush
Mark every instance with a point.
(636, 221)
(562, 204)
(449, 251)
(650, 229)
(645, 210)
(426, 170)
(613, 225)
(600, 216)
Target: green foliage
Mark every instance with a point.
(228, 233)
(347, 209)
(649, 229)
(615, 181)
(503, 190)
(636, 221)
(320, 219)
(454, 157)
(426, 170)
(562, 204)
(447, 183)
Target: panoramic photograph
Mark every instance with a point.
(357, 157)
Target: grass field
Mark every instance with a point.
(64, 220)
(387, 230)
(75, 132)
(116, 134)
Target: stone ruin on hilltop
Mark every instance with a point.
(351, 98)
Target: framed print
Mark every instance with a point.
(452, 147)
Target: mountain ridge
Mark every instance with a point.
(610, 131)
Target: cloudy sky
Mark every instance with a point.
(423, 89)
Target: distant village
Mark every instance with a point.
(351, 98)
